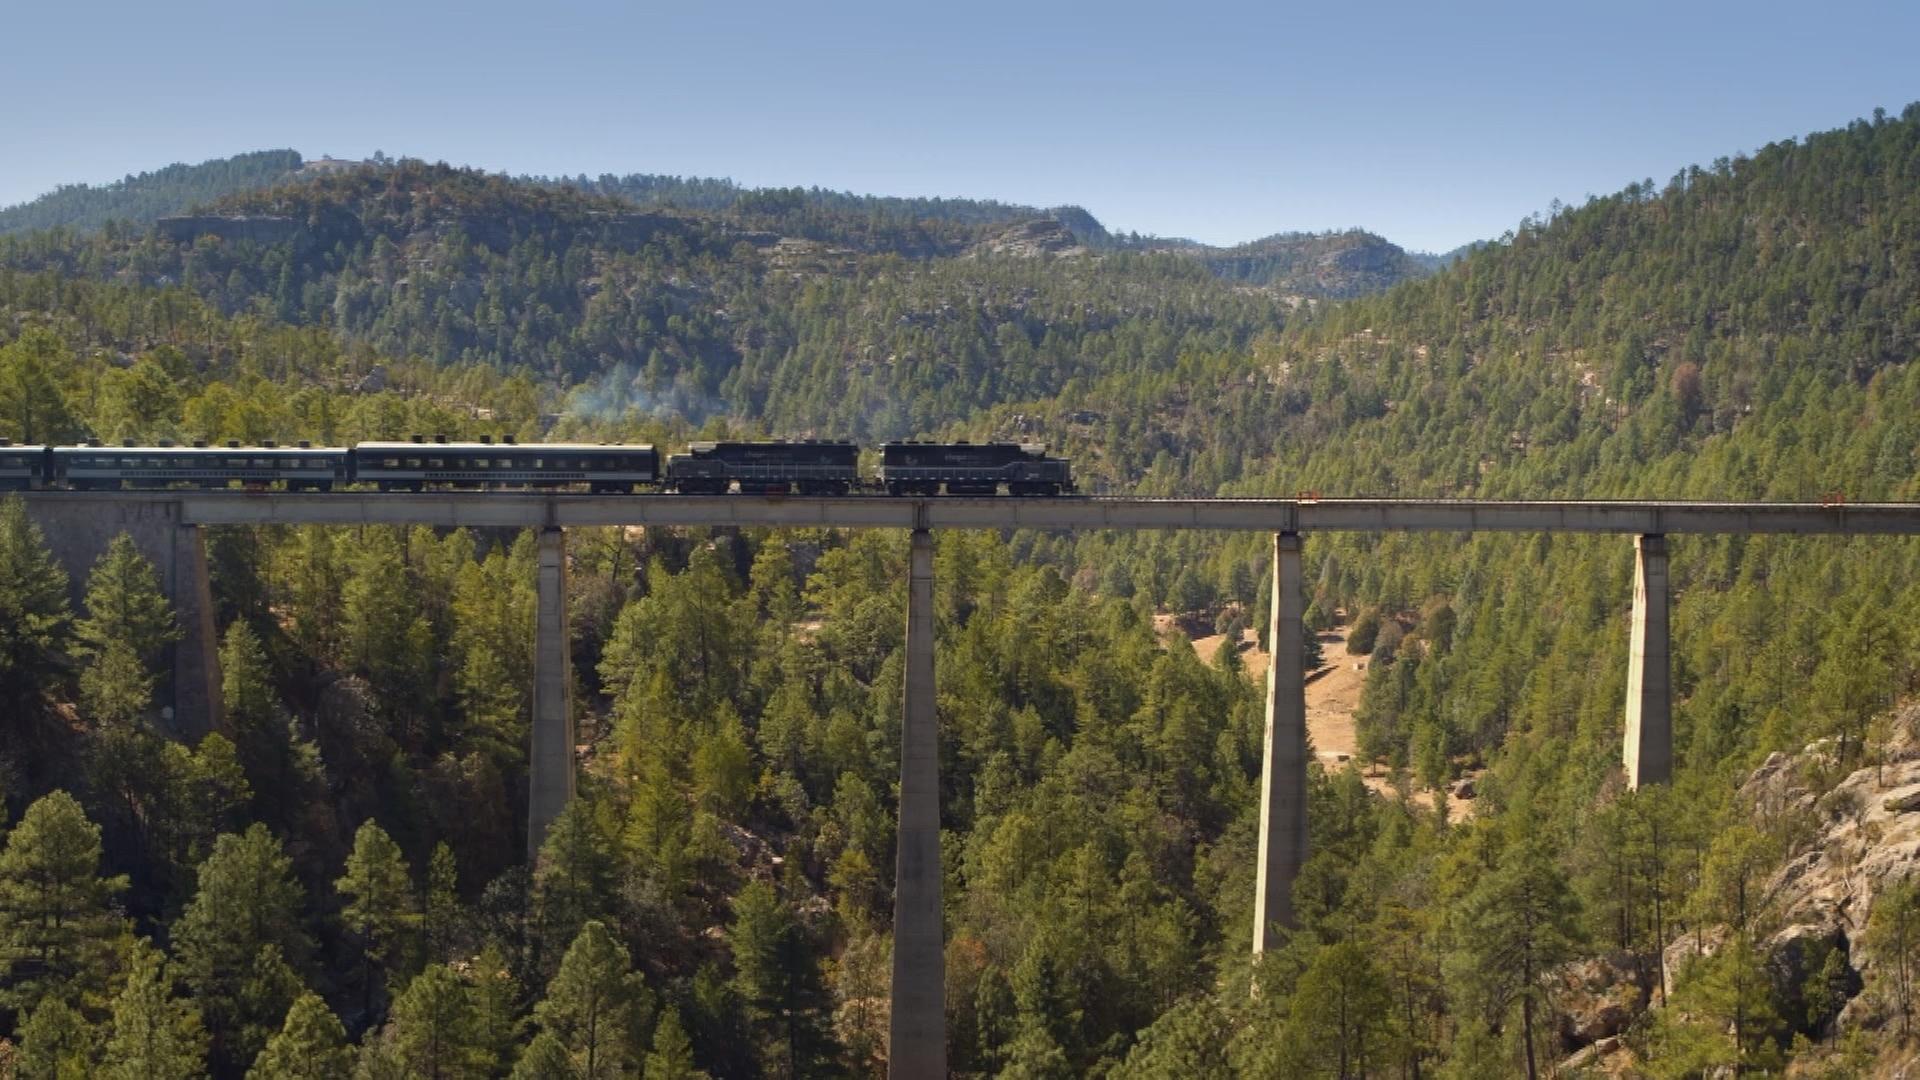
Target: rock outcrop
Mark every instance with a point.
(1031, 239)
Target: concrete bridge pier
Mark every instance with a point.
(550, 779)
(1648, 753)
(917, 1036)
(78, 529)
(1283, 769)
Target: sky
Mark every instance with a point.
(1431, 123)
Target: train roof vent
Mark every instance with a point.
(508, 439)
(304, 444)
(440, 439)
(4, 441)
(126, 442)
(269, 444)
(486, 440)
(93, 442)
(166, 442)
(200, 444)
(233, 444)
(417, 438)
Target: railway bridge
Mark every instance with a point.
(168, 527)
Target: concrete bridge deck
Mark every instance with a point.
(537, 510)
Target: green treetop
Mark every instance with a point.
(596, 1005)
(311, 1045)
(57, 923)
(381, 909)
(155, 1036)
(240, 940)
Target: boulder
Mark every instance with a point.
(1597, 998)
(1796, 957)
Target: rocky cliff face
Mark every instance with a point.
(1860, 836)
(1847, 841)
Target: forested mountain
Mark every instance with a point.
(1748, 329)
(1333, 265)
(697, 312)
(1339, 265)
(144, 199)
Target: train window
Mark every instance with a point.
(390, 463)
(413, 463)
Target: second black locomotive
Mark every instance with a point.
(962, 468)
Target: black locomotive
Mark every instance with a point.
(922, 468)
(765, 468)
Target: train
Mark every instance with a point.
(802, 467)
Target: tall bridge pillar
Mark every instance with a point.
(1283, 763)
(78, 529)
(550, 778)
(1648, 752)
(917, 1035)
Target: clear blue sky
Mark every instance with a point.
(1432, 123)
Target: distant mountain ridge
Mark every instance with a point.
(1332, 265)
(149, 196)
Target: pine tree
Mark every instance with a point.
(1722, 1015)
(1339, 1015)
(32, 409)
(443, 915)
(311, 1045)
(34, 618)
(574, 878)
(240, 942)
(435, 1029)
(125, 606)
(57, 925)
(1515, 926)
(380, 909)
(282, 768)
(545, 1058)
(154, 1036)
(595, 1005)
(56, 1042)
(778, 980)
(672, 1054)
(386, 635)
(496, 1006)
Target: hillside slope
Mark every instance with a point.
(149, 196)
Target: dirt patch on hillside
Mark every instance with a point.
(1333, 698)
